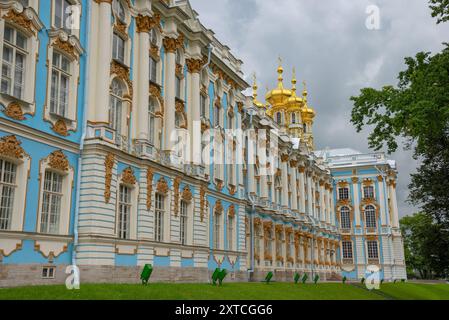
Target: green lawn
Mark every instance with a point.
(229, 291)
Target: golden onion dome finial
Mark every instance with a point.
(294, 102)
(278, 97)
(308, 113)
(255, 88)
(305, 93)
(294, 81)
(280, 72)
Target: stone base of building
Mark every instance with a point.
(31, 275)
(288, 275)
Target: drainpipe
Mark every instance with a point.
(209, 54)
(83, 136)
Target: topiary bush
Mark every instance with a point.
(344, 279)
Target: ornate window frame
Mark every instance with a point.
(27, 21)
(73, 32)
(70, 47)
(128, 179)
(11, 150)
(57, 161)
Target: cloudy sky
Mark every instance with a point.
(333, 50)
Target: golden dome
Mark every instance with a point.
(278, 97)
(307, 113)
(256, 102)
(294, 103)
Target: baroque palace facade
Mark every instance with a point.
(90, 175)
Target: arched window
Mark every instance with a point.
(153, 37)
(279, 118)
(152, 121)
(304, 128)
(345, 218)
(368, 192)
(278, 190)
(293, 118)
(116, 105)
(370, 217)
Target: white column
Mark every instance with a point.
(383, 216)
(394, 205)
(332, 206)
(302, 192)
(103, 62)
(143, 76)
(328, 204)
(309, 195)
(322, 204)
(263, 186)
(355, 185)
(194, 68)
(169, 93)
(285, 190)
(293, 177)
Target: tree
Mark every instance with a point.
(440, 10)
(418, 110)
(425, 246)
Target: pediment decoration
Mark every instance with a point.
(58, 160)
(218, 207)
(120, 29)
(173, 44)
(194, 65)
(14, 111)
(27, 19)
(187, 194)
(109, 165)
(60, 127)
(162, 186)
(231, 211)
(128, 176)
(10, 147)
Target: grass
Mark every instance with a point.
(229, 291)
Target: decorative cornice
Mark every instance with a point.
(194, 65)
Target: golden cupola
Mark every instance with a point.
(294, 103)
(256, 102)
(294, 108)
(278, 97)
(307, 113)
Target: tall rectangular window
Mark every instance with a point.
(14, 62)
(217, 231)
(183, 223)
(178, 87)
(368, 192)
(373, 252)
(159, 218)
(343, 193)
(203, 105)
(60, 81)
(62, 14)
(8, 173)
(346, 249)
(153, 70)
(51, 204)
(118, 48)
(124, 212)
(230, 235)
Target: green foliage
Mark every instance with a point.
(268, 277)
(417, 109)
(426, 244)
(362, 281)
(382, 281)
(440, 10)
(316, 279)
(297, 277)
(304, 278)
(344, 279)
(146, 273)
